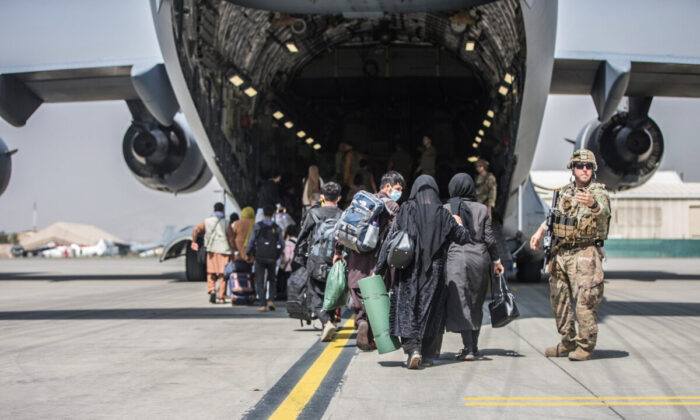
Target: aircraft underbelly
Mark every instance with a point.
(266, 92)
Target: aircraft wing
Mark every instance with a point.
(22, 91)
(608, 77)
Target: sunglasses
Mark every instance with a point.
(583, 165)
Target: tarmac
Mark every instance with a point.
(130, 338)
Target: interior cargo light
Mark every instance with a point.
(236, 80)
(481, 132)
(291, 47)
(278, 115)
(477, 139)
(489, 113)
(473, 159)
(470, 45)
(509, 78)
(503, 90)
(250, 92)
(310, 140)
(301, 134)
(289, 124)
(317, 146)
(487, 123)
(475, 145)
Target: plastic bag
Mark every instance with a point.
(337, 291)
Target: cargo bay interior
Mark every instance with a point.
(277, 92)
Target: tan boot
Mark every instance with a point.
(557, 351)
(262, 308)
(580, 355)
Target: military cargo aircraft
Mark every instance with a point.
(247, 84)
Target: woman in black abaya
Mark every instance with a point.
(469, 266)
(417, 313)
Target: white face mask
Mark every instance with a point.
(395, 194)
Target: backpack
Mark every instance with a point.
(298, 297)
(266, 242)
(322, 248)
(358, 226)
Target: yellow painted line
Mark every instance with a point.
(575, 398)
(571, 404)
(657, 403)
(528, 398)
(650, 398)
(295, 402)
(533, 404)
(578, 401)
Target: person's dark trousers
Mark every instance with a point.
(470, 339)
(318, 291)
(430, 346)
(410, 345)
(265, 276)
(282, 279)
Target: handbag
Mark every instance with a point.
(202, 255)
(400, 250)
(502, 307)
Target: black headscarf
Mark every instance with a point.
(423, 221)
(461, 188)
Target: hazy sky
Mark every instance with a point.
(70, 160)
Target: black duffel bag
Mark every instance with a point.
(502, 306)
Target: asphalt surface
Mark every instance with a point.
(129, 338)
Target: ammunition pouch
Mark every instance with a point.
(578, 230)
(564, 227)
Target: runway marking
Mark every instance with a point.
(301, 394)
(579, 401)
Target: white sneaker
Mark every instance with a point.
(328, 331)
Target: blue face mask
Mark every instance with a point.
(395, 195)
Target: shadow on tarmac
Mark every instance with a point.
(175, 276)
(648, 275)
(139, 313)
(609, 354)
(652, 308)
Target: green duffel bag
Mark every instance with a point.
(337, 291)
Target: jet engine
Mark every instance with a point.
(165, 158)
(5, 165)
(628, 147)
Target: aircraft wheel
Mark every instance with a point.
(194, 271)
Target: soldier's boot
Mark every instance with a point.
(560, 350)
(580, 355)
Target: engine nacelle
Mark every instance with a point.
(628, 152)
(166, 158)
(5, 165)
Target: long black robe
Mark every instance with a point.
(469, 266)
(418, 298)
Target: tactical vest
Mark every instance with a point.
(215, 236)
(575, 223)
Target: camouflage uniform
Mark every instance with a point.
(576, 267)
(486, 189)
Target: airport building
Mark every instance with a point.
(662, 213)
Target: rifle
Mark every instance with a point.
(549, 239)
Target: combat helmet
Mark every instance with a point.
(582, 155)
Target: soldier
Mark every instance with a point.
(485, 185)
(580, 225)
